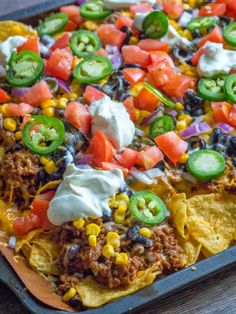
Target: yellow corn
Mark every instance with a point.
(16, 30)
(79, 223)
(119, 218)
(186, 33)
(122, 197)
(4, 109)
(125, 13)
(136, 89)
(50, 167)
(186, 6)
(185, 117)
(73, 96)
(49, 111)
(89, 25)
(137, 114)
(179, 106)
(92, 239)
(18, 135)
(113, 239)
(133, 40)
(76, 61)
(208, 117)
(43, 160)
(69, 294)
(122, 208)
(184, 158)
(93, 229)
(175, 25)
(121, 259)
(145, 232)
(192, 3)
(181, 125)
(108, 250)
(9, 124)
(48, 103)
(62, 103)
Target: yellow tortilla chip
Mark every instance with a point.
(13, 28)
(211, 221)
(94, 294)
(191, 250)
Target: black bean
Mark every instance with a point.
(220, 148)
(16, 147)
(234, 161)
(55, 176)
(144, 241)
(128, 32)
(41, 175)
(107, 216)
(129, 192)
(197, 112)
(160, 165)
(196, 34)
(233, 142)
(73, 252)
(196, 142)
(76, 303)
(133, 232)
(215, 135)
(180, 54)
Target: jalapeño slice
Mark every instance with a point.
(84, 43)
(53, 24)
(92, 69)
(230, 34)
(162, 97)
(94, 10)
(161, 125)
(230, 88)
(206, 165)
(147, 208)
(212, 89)
(24, 68)
(155, 25)
(49, 130)
(202, 22)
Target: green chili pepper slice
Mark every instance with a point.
(162, 98)
(147, 208)
(53, 24)
(230, 88)
(24, 68)
(161, 125)
(92, 69)
(84, 43)
(94, 10)
(230, 34)
(202, 22)
(212, 89)
(155, 25)
(50, 130)
(206, 165)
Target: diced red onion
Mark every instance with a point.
(64, 85)
(172, 112)
(79, 2)
(225, 127)
(84, 158)
(195, 13)
(187, 176)
(141, 176)
(154, 173)
(12, 242)
(185, 19)
(195, 130)
(18, 91)
(116, 61)
(156, 113)
(139, 132)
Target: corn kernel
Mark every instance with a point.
(125, 13)
(18, 135)
(192, 3)
(208, 117)
(133, 40)
(93, 229)
(48, 103)
(89, 25)
(76, 61)
(73, 96)
(185, 117)
(179, 106)
(145, 232)
(122, 197)
(184, 158)
(16, 30)
(79, 223)
(92, 240)
(108, 250)
(181, 125)
(122, 209)
(50, 167)
(121, 259)
(49, 111)
(9, 124)
(112, 235)
(43, 160)
(175, 25)
(186, 6)
(119, 218)
(137, 114)
(4, 109)
(62, 103)
(69, 294)
(136, 89)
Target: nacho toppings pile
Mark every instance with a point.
(117, 142)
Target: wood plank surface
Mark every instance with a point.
(212, 296)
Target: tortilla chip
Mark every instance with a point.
(191, 250)
(94, 294)
(13, 28)
(211, 221)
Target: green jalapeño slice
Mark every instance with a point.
(202, 22)
(84, 43)
(230, 34)
(212, 89)
(155, 25)
(53, 24)
(161, 125)
(230, 88)
(94, 10)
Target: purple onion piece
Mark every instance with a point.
(79, 2)
(19, 91)
(141, 176)
(195, 129)
(84, 159)
(157, 113)
(116, 61)
(64, 85)
(154, 173)
(12, 242)
(225, 127)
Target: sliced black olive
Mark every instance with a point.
(128, 32)
(160, 165)
(73, 252)
(195, 143)
(215, 136)
(180, 54)
(144, 241)
(76, 303)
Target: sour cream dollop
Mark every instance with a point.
(123, 4)
(84, 193)
(8, 46)
(216, 60)
(113, 120)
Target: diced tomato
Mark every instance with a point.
(149, 157)
(62, 42)
(129, 105)
(133, 54)
(178, 85)
(221, 111)
(18, 110)
(110, 35)
(109, 166)
(70, 26)
(173, 9)
(59, 64)
(37, 94)
(101, 149)
(213, 9)
(134, 75)
(161, 72)
(124, 21)
(73, 13)
(26, 118)
(232, 117)
(92, 94)
(127, 158)
(214, 36)
(197, 55)
(3, 96)
(146, 100)
(158, 56)
(40, 208)
(231, 6)
(23, 225)
(31, 44)
(153, 45)
(78, 115)
(101, 52)
(171, 145)
(140, 8)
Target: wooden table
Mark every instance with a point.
(215, 295)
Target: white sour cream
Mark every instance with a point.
(123, 4)
(8, 46)
(84, 193)
(216, 60)
(113, 120)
